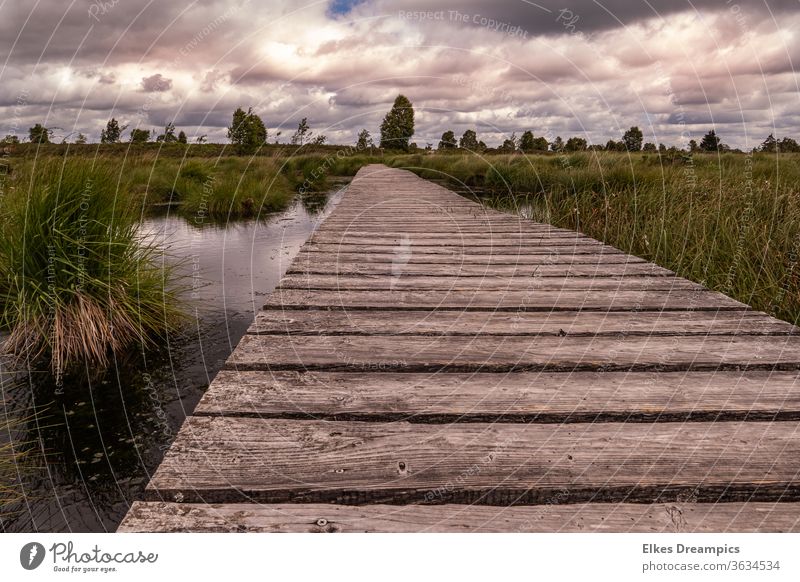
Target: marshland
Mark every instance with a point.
(127, 277)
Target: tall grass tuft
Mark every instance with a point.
(77, 282)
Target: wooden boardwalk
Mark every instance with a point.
(428, 364)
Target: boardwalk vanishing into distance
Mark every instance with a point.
(428, 364)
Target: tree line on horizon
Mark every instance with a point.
(248, 132)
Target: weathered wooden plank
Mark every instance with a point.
(405, 255)
(165, 517)
(518, 397)
(471, 220)
(514, 353)
(485, 323)
(459, 250)
(469, 270)
(322, 237)
(445, 283)
(585, 299)
(221, 459)
(564, 237)
(448, 231)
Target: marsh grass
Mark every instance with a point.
(221, 189)
(730, 222)
(232, 188)
(312, 172)
(77, 281)
(15, 463)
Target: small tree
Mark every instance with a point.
(140, 135)
(557, 145)
(710, 142)
(693, 147)
(469, 141)
(364, 140)
(398, 125)
(540, 144)
(319, 140)
(448, 141)
(788, 144)
(10, 139)
(81, 139)
(633, 139)
(181, 137)
(650, 148)
(238, 130)
(526, 142)
(169, 134)
(201, 139)
(112, 132)
(303, 132)
(575, 144)
(247, 131)
(39, 134)
(770, 144)
(509, 144)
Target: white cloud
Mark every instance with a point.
(680, 66)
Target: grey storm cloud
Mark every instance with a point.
(156, 83)
(594, 68)
(544, 17)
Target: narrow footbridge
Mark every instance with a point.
(428, 364)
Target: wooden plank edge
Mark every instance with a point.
(682, 517)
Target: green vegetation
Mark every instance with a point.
(39, 134)
(364, 140)
(448, 141)
(398, 125)
(311, 172)
(247, 131)
(220, 189)
(112, 132)
(77, 282)
(729, 221)
(15, 462)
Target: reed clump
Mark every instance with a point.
(78, 283)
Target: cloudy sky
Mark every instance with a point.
(675, 68)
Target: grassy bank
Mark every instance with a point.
(731, 222)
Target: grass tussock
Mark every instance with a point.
(77, 282)
(731, 222)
